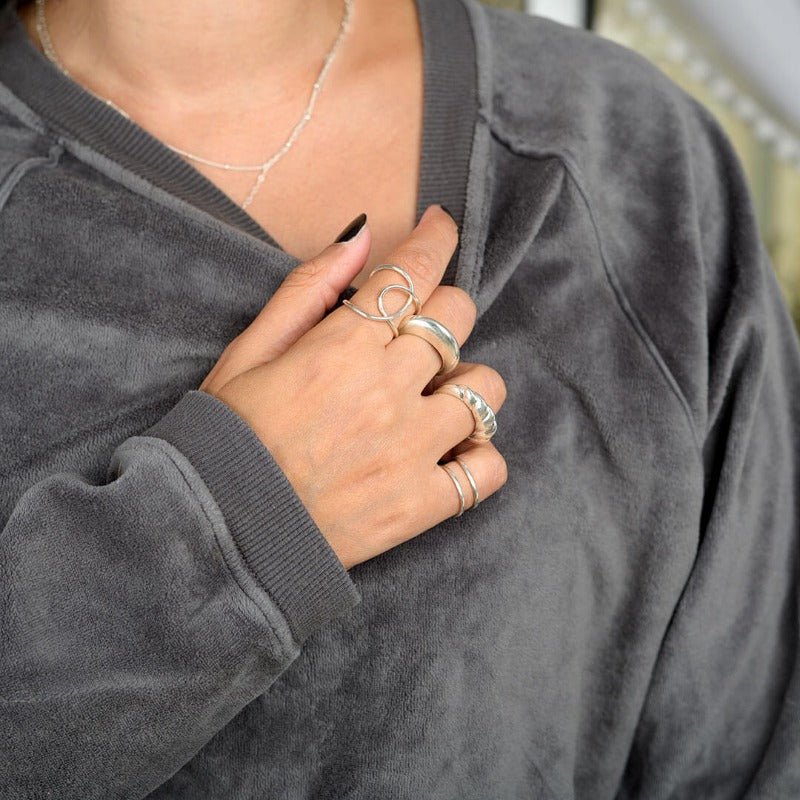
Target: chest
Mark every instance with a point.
(360, 152)
(305, 202)
(521, 599)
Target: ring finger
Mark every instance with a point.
(423, 256)
(451, 420)
(483, 463)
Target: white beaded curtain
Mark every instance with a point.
(568, 12)
(742, 60)
(763, 41)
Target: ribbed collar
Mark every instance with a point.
(450, 115)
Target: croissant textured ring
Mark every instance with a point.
(439, 337)
(485, 421)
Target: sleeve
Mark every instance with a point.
(138, 617)
(721, 718)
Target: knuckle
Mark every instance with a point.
(397, 382)
(442, 224)
(465, 299)
(399, 514)
(495, 385)
(383, 416)
(422, 263)
(383, 409)
(304, 274)
(449, 233)
(499, 470)
(334, 336)
(459, 304)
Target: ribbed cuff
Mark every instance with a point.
(278, 540)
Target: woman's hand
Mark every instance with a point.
(340, 404)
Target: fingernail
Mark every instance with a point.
(352, 230)
(448, 211)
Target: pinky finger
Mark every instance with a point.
(477, 470)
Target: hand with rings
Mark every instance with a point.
(380, 429)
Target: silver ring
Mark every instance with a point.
(457, 484)
(436, 335)
(383, 316)
(471, 479)
(485, 420)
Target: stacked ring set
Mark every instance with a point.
(446, 345)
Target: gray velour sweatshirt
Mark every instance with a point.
(620, 620)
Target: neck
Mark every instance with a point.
(200, 51)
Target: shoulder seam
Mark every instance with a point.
(22, 168)
(574, 174)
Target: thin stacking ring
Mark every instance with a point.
(436, 335)
(471, 479)
(457, 484)
(485, 421)
(383, 316)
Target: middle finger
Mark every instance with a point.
(424, 256)
(449, 306)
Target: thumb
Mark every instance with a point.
(308, 292)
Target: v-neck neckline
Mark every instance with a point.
(450, 108)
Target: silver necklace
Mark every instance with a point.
(262, 169)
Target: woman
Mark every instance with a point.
(197, 492)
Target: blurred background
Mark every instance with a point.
(741, 59)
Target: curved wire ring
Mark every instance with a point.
(383, 316)
(389, 318)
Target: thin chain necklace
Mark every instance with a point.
(262, 169)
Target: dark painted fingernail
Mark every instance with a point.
(448, 211)
(352, 230)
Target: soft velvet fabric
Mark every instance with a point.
(620, 620)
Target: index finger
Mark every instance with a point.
(424, 256)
